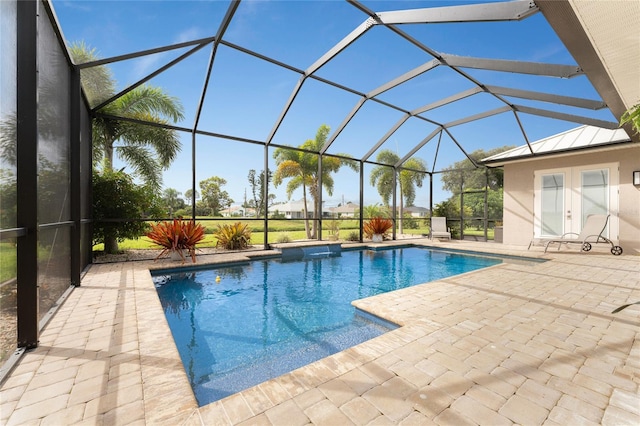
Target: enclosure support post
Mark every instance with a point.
(74, 178)
(486, 203)
(27, 172)
(318, 212)
(461, 206)
(393, 204)
(193, 175)
(266, 197)
(361, 218)
(430, 201)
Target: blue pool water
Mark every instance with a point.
(261, 319)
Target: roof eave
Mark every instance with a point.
(609, 146)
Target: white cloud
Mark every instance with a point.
(189, 34)
(145, 65)
(82, 6)
(548, 53)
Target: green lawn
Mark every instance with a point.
(293, 229)
(7, 261)
(275, 233)
(479, 233)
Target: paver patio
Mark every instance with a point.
(516, 343)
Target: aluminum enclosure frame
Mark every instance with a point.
(393, 20)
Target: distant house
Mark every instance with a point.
(551, 185)
(346, 210)
(295, 209)
(238, 211)
(416, 211)
(351, 209)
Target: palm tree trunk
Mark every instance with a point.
(314, 224)
(401, 209)
(108, 157)
(306, 215)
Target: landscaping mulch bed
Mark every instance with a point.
(140, 254)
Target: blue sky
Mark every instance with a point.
(246, 95)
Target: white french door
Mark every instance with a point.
(565, 197)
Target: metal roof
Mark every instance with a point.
(579, 138)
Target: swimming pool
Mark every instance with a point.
(236, 326)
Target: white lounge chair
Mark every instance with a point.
(591, 232)
(439, 228)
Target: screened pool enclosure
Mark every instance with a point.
(404, 89)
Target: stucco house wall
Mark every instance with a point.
(519, 192)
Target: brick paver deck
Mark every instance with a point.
(517, 343)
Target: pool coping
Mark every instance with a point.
(274, 387)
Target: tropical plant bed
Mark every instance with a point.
(131, 255)
(177, 238)
(377, 228)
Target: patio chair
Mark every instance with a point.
(591, 232)
(439, 228)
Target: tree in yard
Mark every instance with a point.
(409, 177)
(188, 195)
(258, 183)
(148, 150)
(375, 210)
(116, 196)
(213, 196)
(475, 202)
(474, 178)
(301, 167)
(171, 201)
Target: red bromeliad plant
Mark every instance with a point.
(177, 236)
(377, 226)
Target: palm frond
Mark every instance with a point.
(98, 82)
(151, 100)
(164, 141)
(632, 115)
(143, 162)
(294, 184)
(286, 169)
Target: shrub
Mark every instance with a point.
(233, 237)
(353, 236)
(283, 238)
(334, 229)
(377, 225)
(116, 196)
(409, 222)
(185, 212)
(177, 236)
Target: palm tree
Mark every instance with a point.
(408, 178)
(148, 150)
(302, 168)
(98, 82)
